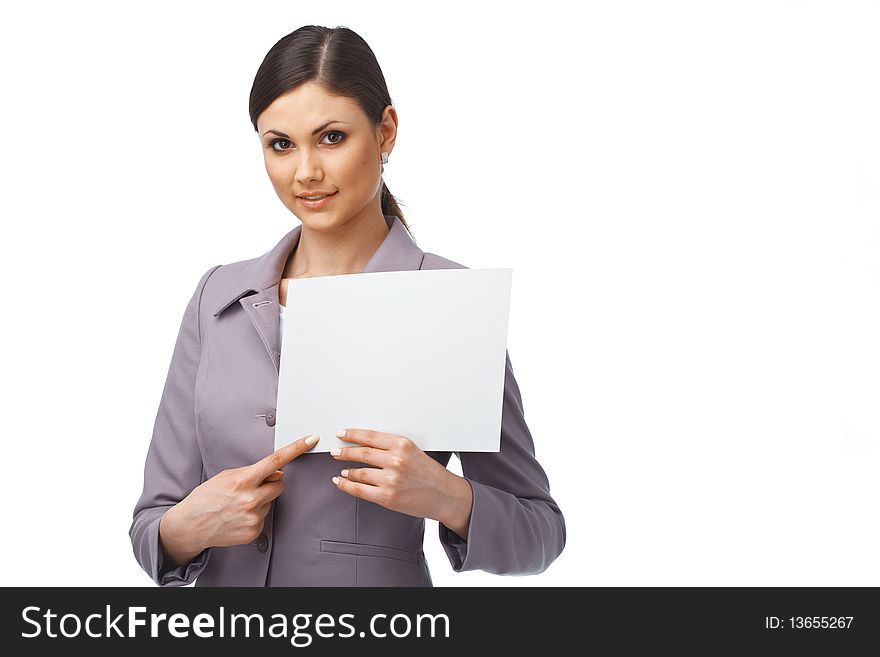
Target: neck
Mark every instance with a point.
(345, 249)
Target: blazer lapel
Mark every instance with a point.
(262, 309)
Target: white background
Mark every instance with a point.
(688, 192)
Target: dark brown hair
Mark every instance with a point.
(339, 60)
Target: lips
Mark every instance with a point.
(317, 203)
(319, 194)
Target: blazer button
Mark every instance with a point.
(262, 543)
(270, 418)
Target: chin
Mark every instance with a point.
(318, 220)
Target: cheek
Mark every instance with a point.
(277, 174)
(363, 171)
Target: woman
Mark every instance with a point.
(212, 506)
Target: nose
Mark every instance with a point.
(308, 168)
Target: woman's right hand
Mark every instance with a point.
(230, 508)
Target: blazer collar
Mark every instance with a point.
(397, 252)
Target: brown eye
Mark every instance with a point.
(336, 132)
(277, 141)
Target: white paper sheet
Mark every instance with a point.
(415, 353)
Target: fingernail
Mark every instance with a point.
(344, 473)
(336, 451)
(340, 433)
(336, 480)
(311, 440)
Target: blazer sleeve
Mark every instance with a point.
(173, 465)
(516, 528)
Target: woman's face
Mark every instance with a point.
(314, 142)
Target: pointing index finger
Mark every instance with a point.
(282, 456)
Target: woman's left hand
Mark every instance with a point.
(403, 478)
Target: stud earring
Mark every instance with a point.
(384, 158)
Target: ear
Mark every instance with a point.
(387, 131)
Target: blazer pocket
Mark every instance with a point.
(367, 550)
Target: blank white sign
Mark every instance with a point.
(415, 353)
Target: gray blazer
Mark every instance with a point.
(217, 412)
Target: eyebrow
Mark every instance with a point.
(314, 132)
